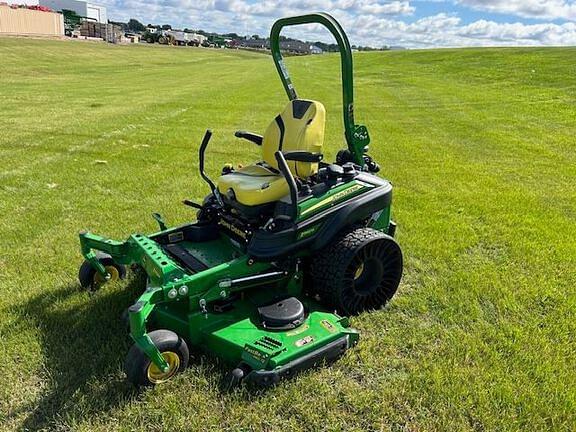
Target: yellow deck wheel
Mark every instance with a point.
(141, 371)
(155, 374)
(101, 280)
(92, 280)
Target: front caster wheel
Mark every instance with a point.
(140, 370)
(91, 280)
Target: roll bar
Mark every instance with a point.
(357, 136)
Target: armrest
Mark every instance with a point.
(303, 156)
(255, 138)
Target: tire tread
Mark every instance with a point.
(329, 266)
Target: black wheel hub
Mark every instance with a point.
(368, 276)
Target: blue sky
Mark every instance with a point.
(410, 23)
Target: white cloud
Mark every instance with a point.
(385, 25)
(517, 33)
(271, 7)
(539, 9)
(374, 7)
(445, 30)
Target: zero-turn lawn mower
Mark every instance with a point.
(282, 251)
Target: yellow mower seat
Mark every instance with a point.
(254, 185)
(299, 127)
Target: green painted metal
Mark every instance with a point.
(212, 253)
(382, 221)
(182, 302)
(344, 192)
(236, 335)
(138, 249)
(178, 299)
(138, 317)
(168, 282)
(89, 241)
(357, 136)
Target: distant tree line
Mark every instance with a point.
(334, 47)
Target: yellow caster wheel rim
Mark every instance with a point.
(155, 374)
(101, 280)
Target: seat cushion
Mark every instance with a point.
(254, 185)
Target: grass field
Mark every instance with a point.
(479, 143)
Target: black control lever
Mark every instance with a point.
(202, 151)
(303, 156)
(192, 204)
(255, 138)
(285, 170)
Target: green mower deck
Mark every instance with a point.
(231, 330)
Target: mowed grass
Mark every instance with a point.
(480, 146)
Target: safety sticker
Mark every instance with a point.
(304, 341)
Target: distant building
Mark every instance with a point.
(315, 50)
(21, 21)
(84, 9)
(296, 47)
(255, 43)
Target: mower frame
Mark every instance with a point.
(179, 298)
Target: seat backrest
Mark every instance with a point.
(299, 127)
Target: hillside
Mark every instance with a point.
(479, 144)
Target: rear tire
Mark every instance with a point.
(360, 271)
(140, 370)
